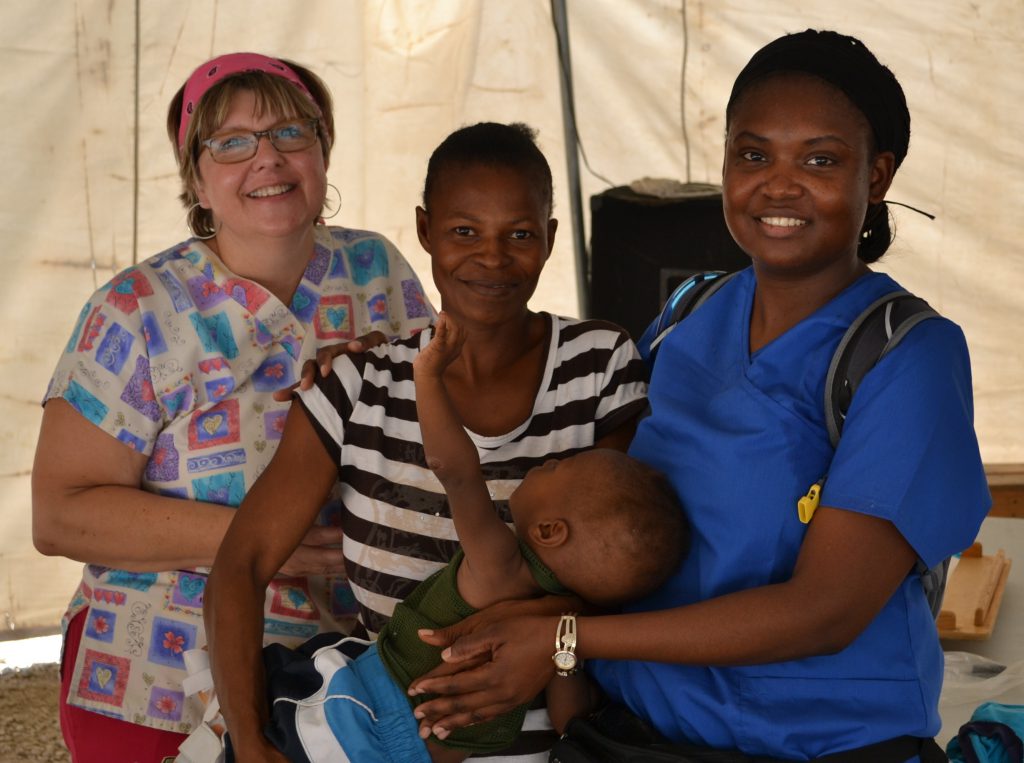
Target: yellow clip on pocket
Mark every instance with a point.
(807, 505)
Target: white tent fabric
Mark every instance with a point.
(91, 183)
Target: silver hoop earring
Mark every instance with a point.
(327, 206)
(188, 224)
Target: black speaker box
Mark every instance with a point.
(642, 247)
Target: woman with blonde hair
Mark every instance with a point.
(160, 414)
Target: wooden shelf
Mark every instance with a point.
(974, 592)
(1006, 483)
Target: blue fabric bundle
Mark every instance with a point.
(993, 735)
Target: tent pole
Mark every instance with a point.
(561, 21)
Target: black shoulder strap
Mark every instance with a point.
(687, 297)
(878, 329)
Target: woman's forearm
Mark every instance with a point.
(266, 530)
(128, 528)
(233, 615)
(768, 624)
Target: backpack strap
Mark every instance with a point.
(876, 331)
(685, 298)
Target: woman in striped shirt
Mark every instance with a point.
(529, 386)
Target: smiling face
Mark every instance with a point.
(798, 175)
(488, 233)
(273, 194)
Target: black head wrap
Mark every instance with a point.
(848, 65)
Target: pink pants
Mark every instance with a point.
(95, 738)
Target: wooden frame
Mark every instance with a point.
(974, 592)
(1006, 482)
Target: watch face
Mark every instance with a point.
(564, 660)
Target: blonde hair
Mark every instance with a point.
(274, 95)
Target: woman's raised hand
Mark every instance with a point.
(495, 660)
(324, 357)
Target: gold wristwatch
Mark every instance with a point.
(565, 659)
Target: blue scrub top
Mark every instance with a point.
(742, 436)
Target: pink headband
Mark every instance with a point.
(217, 69)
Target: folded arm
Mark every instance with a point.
(848, 568)
(88, 505)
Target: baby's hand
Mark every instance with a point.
(444, 347)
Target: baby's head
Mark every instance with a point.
(610, 527)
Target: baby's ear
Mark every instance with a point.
(549, 533)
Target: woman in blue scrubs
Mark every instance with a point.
(777, 638)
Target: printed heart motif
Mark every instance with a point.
(260, 445)
(103, 676)
(239, 294)
(148, 679)
(212, 423)
(297, 598)
(300, 301)
(336, 316)
(125, 287)
(191, 587)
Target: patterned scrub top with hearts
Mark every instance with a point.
(177, 358)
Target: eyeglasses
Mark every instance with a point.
(286, 137)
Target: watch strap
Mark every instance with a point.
(565, 644)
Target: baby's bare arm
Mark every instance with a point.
(493, 567)
(449, 452)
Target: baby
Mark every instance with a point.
(597, 523)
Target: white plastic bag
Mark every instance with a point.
(968, 681)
